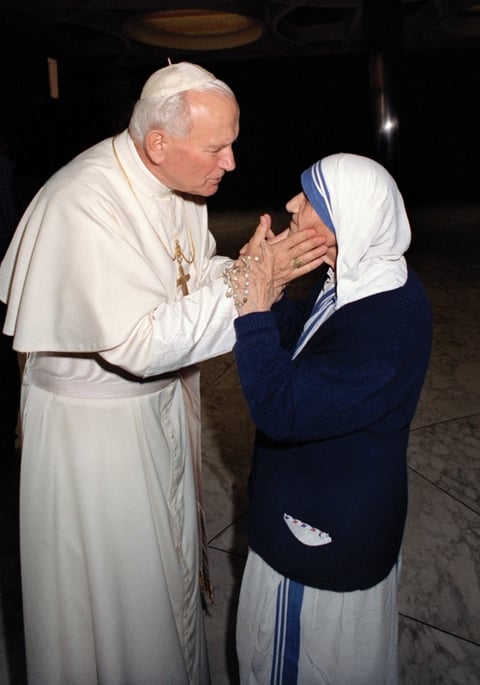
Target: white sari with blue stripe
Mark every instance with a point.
(291, 634)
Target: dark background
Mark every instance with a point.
(294, 110)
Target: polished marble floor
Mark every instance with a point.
(440, 587)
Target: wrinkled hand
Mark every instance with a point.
(294, 254)
(251, 278)
(268, 262)
(252, 282)
(297, 254)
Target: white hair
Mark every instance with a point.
(171, 114)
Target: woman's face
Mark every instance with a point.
(304, 216)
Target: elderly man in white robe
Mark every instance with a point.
(114, 292)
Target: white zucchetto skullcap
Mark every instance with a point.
(174, 79)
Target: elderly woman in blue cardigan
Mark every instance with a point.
(332, 383)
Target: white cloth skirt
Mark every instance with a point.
(288, 633)
(109, 547)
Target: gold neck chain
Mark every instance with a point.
(178, 255)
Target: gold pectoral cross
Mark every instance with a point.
(182, 279)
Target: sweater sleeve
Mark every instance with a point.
(354, 371)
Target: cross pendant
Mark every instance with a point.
(182, 279)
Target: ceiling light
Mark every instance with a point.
(194, 29)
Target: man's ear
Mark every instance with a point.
(154, 146)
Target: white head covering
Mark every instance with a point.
(174, 79)
(359, 200)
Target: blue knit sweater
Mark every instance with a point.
(332, 431)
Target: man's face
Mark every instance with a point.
(197, 164)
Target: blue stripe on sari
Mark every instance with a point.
(287, 633)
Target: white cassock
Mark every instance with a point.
(109, 544)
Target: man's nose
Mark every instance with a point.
(227, 161)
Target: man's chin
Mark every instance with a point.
(206, 190)
(211, 188)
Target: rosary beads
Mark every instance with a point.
(231, 279)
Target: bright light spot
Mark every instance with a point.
(389, 125)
